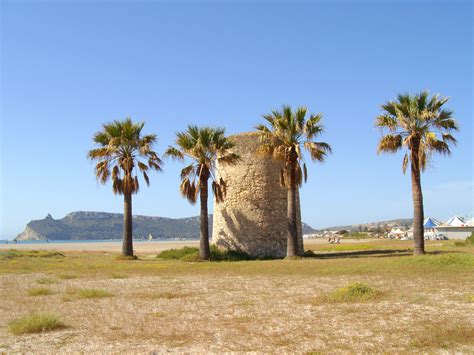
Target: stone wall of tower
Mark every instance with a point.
(253, 216)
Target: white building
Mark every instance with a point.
(397, 233)
(455, 228)
(429, 226)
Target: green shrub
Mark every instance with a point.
(93, 293)
(228, 255)
(35, 323)
(309, 253)
(77, 293)
(127, 257)
(355, 292)
(470, 239)
(190, 254)
(356, 235)
(13, 253)
(117, 275)
(443, 260)
(46, 281)
(191, 258)
(177, 253)
(40, 291)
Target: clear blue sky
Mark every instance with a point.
(69, 66)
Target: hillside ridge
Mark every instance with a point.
(93, 225)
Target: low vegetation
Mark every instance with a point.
(348, 247)
(40, 291)
(470, 239)
(127, 257)
(468, 242)
(190, 254)
(448, 260)
(117, 275)
(168, 295)
(81, 293)
(35, 323)
(13, 253)
(177, 254)
(441, 334)
(354, 292)
(46, 281)
(356, 235)
(162, 299)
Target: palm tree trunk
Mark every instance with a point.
(204, 251)
(127, 246)
(299, 225)
(418, 215)
(292, 246)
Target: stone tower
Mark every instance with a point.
(253, 216)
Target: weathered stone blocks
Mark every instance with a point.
(253, 216)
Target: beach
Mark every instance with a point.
(106, 246)
(140, 247)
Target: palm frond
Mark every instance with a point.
(188, 190)
(285, 137)
(122, 145)
(405, 163)
(204, 146)
(174, 153)
(390, 143)
(412, 121)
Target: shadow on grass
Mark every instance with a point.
(375, 253)
(361, 254)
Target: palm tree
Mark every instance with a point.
(421, 124)
(122, 147)
(204, 147)
(285, 137)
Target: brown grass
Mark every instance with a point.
(356, 292)
(444, 334)
(35, 323)
(254, 306)
(40, 291)
(85, 293)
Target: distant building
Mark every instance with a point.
(397, 233)
(456, 221)
(321, 234)
(454, 228)
(429, 226)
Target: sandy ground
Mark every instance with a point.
(139, 247)
(159, 306)
(112, 247)
(237, 313)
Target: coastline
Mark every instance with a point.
(142, 247)
(103, 246)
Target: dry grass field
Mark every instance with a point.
(91, 301)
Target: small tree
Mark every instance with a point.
(204, 147)
(122, 150)
(285, 137)
(421, 125)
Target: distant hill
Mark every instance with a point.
(402, 222)
(103, 226)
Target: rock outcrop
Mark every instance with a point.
(83, 225)
(102, 226)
